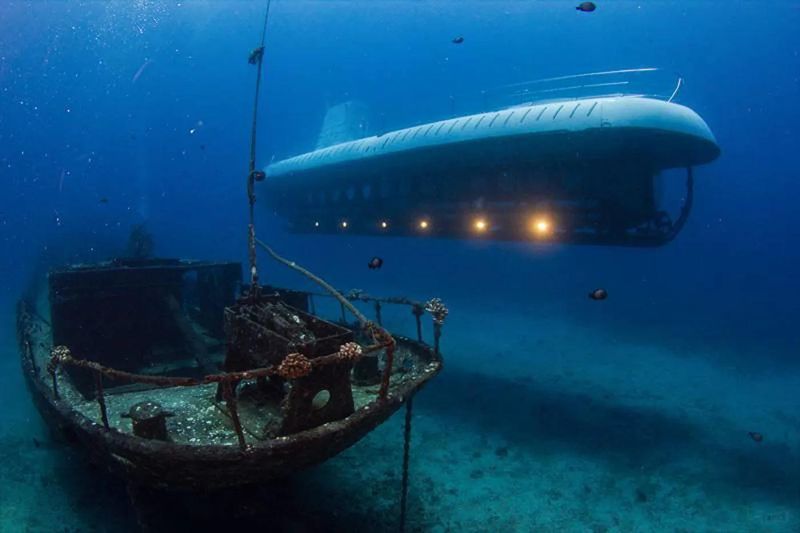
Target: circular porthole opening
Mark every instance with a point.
(321, 399)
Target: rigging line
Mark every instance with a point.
(256, 57)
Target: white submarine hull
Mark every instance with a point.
(571, 171)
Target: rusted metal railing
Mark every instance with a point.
(356, 295)
(62, 357)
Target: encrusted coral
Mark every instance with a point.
(294, 366)
(437, 309)
(58, 355)
(350, 351)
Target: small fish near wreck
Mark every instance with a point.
(598, 294)
(586, 7)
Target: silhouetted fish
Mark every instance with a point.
(458, 40)
(103, 200)
(586, 7)
(758, 437)
(598, 294)
(375, 262)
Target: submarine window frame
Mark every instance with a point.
(505, 123)
(428, 130)
(525, 115)
(465, 123)
(591, 109)
(541, 113)
(558, 111)
(574, 110)
(493, 119)
(479, 121)
(406, 135)
(442, 125)
(453, 127)
(416, 132)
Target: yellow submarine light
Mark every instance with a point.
(480, 225)
(344, 224)
(384, 224)
(541, 226)
(423, 224)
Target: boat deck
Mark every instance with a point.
(197, 418)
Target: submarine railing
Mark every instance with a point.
(641, 83)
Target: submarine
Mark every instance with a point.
(571, 170)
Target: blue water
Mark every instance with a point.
(583, 405)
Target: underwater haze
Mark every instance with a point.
(554, 412)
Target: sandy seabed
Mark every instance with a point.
(558, 428)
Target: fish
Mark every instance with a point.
(458, 40)
(586, 7)
(598, 294)
(757, 437)
(375, 263)
(103, 200)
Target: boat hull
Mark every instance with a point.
(171, 466)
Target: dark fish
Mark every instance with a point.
(458, 40)
(586, 7)
(103, 200)
(758, 437)
(598, 294)
(376, 262)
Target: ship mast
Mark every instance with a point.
(253, 175)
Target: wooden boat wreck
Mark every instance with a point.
(171, 381)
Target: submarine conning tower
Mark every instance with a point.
(573, 171)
